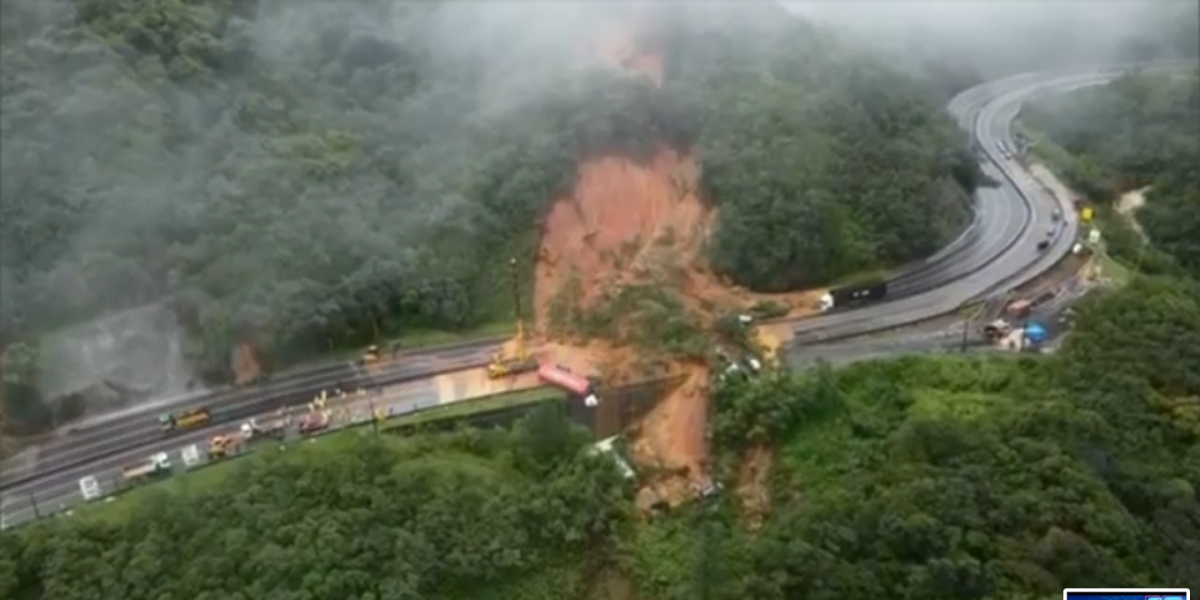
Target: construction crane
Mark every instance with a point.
(520, 361)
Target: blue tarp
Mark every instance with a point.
(1035, 333)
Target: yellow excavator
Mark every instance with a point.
(221, 446)
(519, 361)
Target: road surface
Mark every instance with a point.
(945, 338)
(80, 445)
(58, 490)
(1015, 216)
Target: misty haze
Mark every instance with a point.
(485, 300)
(285, 177)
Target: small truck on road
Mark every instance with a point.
(155, 466)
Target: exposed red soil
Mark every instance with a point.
(244, 363)
(629, 223)
(630, 43)
(752, 489)
(671, 440)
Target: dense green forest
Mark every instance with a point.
(920, 478)
(306, 173)
(1140, 130)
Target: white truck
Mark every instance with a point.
(157, 465)
(275, 427)
(852, 295)
(749, 365)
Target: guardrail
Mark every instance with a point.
(907, 313)
(344, 415)
(187, 459)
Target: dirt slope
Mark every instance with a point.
(634, 224)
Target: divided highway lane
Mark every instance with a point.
(945, 265)
(52, 492)
(868, 347)
(1006, 251)
(103, 439)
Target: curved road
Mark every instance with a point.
(1014, 218)
(996, 249)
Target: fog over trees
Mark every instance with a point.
(297, 176)
(998, 38)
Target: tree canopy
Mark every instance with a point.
(821, 161)
(1140, 130)
(310, 174)
(978, 478)
(445, 517)
(918, 478)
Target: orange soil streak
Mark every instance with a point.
(244, 363)
(628, 223)
(752, 485)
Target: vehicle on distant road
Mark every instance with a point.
(272, 428)
(502, 366)
(157, 465)
(314, 422)
(562, 377)
(220, 446)
(188, 419)
(851, 295)
(369, 356)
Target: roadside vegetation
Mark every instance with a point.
(1141, 131)
(298, 177)
(950, 477)
(462, 515)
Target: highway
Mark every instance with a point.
(936, 338)
(1014, 218)
(997, 251)
(59, 489)
(83, 444)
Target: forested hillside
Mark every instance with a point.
(1003, 38)
(300, 175)
(1141, 130)
(821, 161)
(952, 477)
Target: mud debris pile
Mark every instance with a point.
(627, 227)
